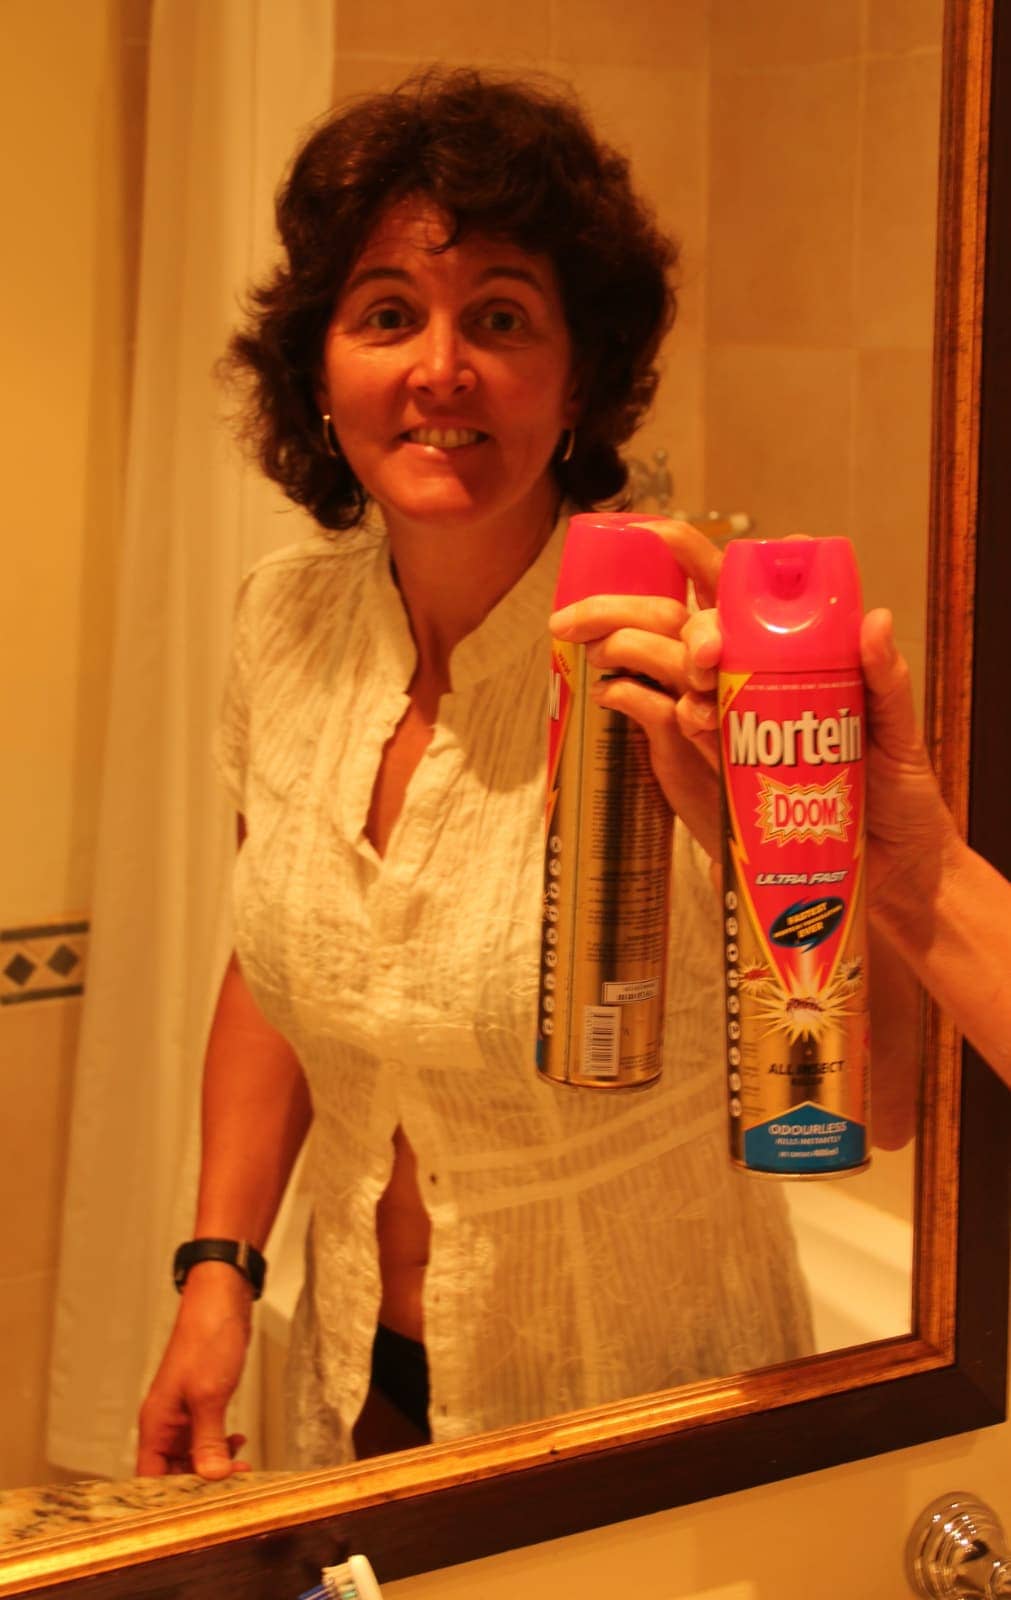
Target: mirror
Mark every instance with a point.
(453, 1502)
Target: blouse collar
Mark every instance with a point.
(512, 625)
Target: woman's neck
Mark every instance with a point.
(451, 578)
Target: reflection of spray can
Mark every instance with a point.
(791, 702)
(607, 840)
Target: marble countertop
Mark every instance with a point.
(56, 1509)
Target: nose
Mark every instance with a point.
(443, 365)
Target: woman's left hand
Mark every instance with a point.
(645, 635)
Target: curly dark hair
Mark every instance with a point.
(503, 158)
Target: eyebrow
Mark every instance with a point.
(400, 275)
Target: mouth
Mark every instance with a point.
(444, 438)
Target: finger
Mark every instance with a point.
(686, 777)
(601, 614)
(695, 552)
(892, 712)
(163, 1436)
(703, 642)
(151, 1463)
(210, 1451)
(651, 708)
(697, 719)
(629, 650)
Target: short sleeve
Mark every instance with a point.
(230, 747)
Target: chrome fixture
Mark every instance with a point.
(651, 488)
(957, 1549)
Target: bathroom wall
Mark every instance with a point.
(839, 1534)
(823, 145)
(70, 153)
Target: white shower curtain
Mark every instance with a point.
(231, 82)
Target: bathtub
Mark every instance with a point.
(855, 1241)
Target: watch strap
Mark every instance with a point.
(237, 1253)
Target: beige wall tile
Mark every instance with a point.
(64, 343)
(897, 219)
(782, 186)
(25, 1316)
(38, 1041)
(897, 25)
(355, 75)
(777, 432)
(672, 36)
(658, 120)
(891, 493)
(452, 31)
(748, 34)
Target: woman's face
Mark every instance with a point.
(448, 376)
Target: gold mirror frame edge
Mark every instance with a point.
(858, 1402)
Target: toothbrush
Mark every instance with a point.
(354, 1579)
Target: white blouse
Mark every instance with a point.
(586, 1245)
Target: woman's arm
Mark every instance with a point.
(256, 1112)
(944, 909)
(951, 922)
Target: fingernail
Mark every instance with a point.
(560, 621)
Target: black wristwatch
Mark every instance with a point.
(237, 1253)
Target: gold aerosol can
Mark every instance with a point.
(607, 839)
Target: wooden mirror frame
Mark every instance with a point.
(452, 1503)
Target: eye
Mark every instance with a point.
(502, 319)
(388, 318)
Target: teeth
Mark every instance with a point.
(444, 438)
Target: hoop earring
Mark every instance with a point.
(330, 444)
(570, 445)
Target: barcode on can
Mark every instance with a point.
(601, 1041)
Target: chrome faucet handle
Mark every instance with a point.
(958, 1549)
(650, 482)
(663, 483)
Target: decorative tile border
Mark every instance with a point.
(43, 963)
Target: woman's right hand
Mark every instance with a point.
(182, 1420)
(909, 828)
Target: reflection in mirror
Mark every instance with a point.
(795, 388)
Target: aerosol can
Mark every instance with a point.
(607, 841)
(792, 736)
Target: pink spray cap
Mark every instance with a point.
(610, 552)
(789, 605)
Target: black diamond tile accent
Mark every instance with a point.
(63, 960)
(20, 969)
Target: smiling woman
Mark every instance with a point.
(448, 379)
(461, 335)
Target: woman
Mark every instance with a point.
(462, 333)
